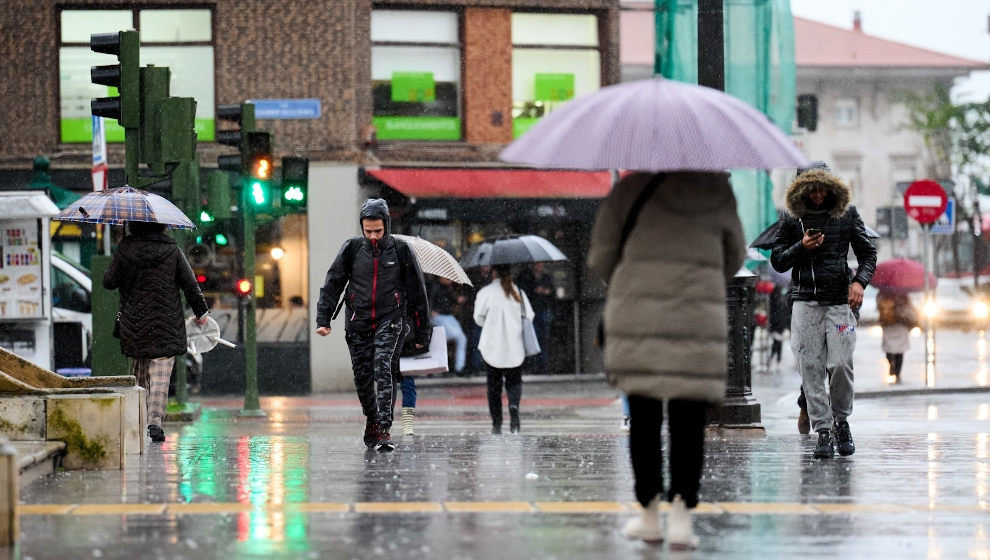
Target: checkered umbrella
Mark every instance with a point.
(435, 260)
(125, 204)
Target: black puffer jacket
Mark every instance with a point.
(383, 280)
(822, 275)
(150, 270)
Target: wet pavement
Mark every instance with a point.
(300, 484)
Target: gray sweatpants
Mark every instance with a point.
(823, 338)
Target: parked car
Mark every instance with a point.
(72, 316)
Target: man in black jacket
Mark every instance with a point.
(813, 242)
(384, 291)
(149, 269)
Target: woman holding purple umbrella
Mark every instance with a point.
(665, 327)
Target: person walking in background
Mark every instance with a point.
(666, 326)
(498, 310)
(150, 270)
(813, 243)
(384, 285)
(897, 317)
(443, 300)
(539, 287)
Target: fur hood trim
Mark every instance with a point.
(840, 196)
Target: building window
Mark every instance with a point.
(181, 39)
(555, 58)
(416, 74)
(846, 112)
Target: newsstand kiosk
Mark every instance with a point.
(25, 275)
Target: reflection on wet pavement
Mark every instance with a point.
(301, 485)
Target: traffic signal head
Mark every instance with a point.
(243, 287)
(258, 155)
(123, 76)
(242, 114)
(295, 182)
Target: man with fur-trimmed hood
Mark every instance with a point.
(813, 242)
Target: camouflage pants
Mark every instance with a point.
(375, 361)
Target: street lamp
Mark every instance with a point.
(278, 253)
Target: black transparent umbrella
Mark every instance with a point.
(765, 240)
(511, 249)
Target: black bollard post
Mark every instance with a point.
(739, 409)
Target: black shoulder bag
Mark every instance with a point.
(627, 228)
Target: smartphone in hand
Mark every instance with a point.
(812, 231)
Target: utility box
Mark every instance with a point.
(25, 277)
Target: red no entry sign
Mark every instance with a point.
(925, 201)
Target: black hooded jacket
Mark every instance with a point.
(383, 281)
(822, 275)
(149, 271)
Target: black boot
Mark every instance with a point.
(514, 419)
(844, 439)
(826, 447)
(156, 433)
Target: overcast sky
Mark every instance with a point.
(957, 27)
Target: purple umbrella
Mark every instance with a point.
(655, 125)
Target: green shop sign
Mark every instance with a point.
(418, 128)
(554, 87)
(417, 87)
(81, 130)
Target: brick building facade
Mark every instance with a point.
(296, 49)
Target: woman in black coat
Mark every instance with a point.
(149, 269)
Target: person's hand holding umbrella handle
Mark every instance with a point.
(202, 320)
(813, 239)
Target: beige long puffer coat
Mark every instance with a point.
(665, 316)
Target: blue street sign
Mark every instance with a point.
(286, 108)
(946, 223)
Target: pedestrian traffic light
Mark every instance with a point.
(295, 181)
(258, 160)
(243, 287)
(217, 196)
(125, 107)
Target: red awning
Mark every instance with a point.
(495, 183)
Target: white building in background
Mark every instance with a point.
(855, 80)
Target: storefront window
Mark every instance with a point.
(415, 72)
(179, 39)
(555, 58)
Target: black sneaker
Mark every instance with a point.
(156, 433)
(844, 439)
(384, 443)
(825, 448)
(370, 432)
(496, 429)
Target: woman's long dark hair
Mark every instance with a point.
(504, 273)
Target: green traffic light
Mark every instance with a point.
(205, 216)
(294, 194)
(259, 193)
(220, 239)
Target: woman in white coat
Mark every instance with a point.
(498, 310)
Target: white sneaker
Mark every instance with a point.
(648, 526)
(680, 534)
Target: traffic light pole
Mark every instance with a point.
(252, 406)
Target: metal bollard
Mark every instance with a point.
(739, 409)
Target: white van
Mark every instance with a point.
(72, 315)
